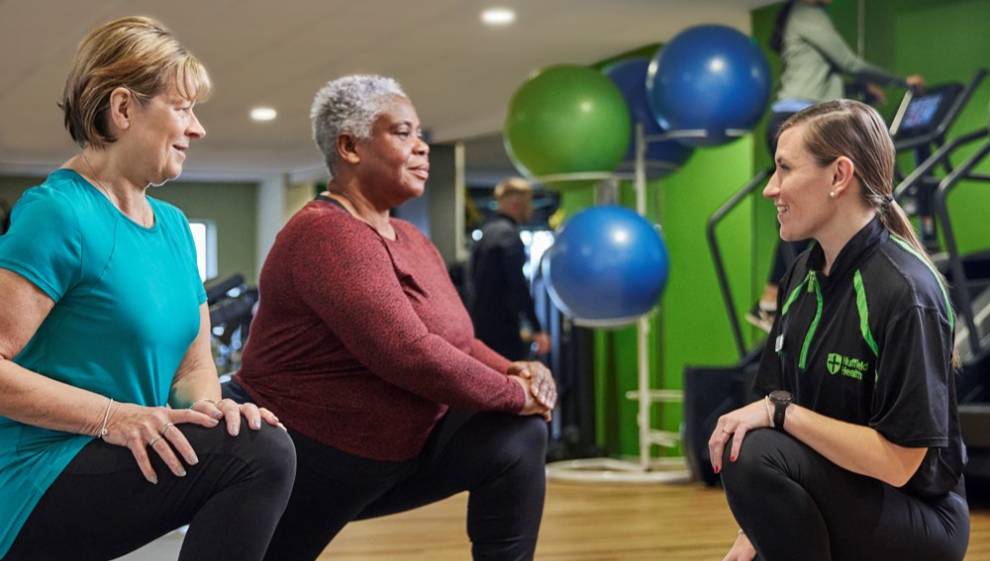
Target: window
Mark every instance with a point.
(204, 233)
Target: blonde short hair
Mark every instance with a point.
(513, 186)
(136, 53)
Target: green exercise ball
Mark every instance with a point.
(567, 119)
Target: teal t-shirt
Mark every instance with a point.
(126, 310)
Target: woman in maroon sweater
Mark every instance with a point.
(361, 345)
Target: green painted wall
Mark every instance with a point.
(694, 327)
(233, 207)
(944, 41)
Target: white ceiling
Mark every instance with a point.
(459, 73)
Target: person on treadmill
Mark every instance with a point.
(855, 451)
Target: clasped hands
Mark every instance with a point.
(541, 389)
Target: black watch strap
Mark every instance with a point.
(779, 408)
(780, 400)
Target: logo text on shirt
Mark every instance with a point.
(851, 367)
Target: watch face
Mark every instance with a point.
(780, 396)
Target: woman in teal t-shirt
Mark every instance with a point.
(109, 400)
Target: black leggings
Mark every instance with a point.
(101, 507)
(498, 458)
(795, 504)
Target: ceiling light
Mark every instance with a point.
(262, 114)
(498, 16)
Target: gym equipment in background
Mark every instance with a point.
(969, 275)
(629, 75)
(231, 303)
(608, 266)
(566, 119)
(710, 78)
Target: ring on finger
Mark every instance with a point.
(165, 428)
(154, 441)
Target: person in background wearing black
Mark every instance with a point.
(501, 303)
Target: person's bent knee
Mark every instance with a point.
(273, 455)
(526, 443)
(755, 458)
(533, 435)
(266, 454)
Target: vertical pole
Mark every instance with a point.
(460, 203)
(643, 323)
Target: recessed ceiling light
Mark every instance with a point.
(262, 114)
(498, 16)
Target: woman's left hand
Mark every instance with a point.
(734, 425)
(232, 412)
(541, 382)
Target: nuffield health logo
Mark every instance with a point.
(846, 366)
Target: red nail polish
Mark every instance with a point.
(732, 458)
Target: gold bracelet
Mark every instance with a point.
(103, 432)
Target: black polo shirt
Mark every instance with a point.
(871, 343)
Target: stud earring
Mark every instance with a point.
(831, 195)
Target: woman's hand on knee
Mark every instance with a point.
(541, 382)
(140, 428)
(231, 412)
(742, 550)
(532, 406)
(734, 426)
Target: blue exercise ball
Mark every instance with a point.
(606, 267)
(661, 157)
(709, 77)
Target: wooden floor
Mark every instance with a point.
(583, 522)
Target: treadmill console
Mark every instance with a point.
(925, 111)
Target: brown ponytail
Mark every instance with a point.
(897, 222)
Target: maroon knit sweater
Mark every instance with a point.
(361, 342)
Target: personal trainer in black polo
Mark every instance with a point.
(866, 458)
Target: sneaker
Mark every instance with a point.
(762, 315)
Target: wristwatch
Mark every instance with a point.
(780, 400)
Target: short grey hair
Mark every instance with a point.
(349, 105)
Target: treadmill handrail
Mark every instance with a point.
(927, 166)
(721, 275)
(961, 284)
